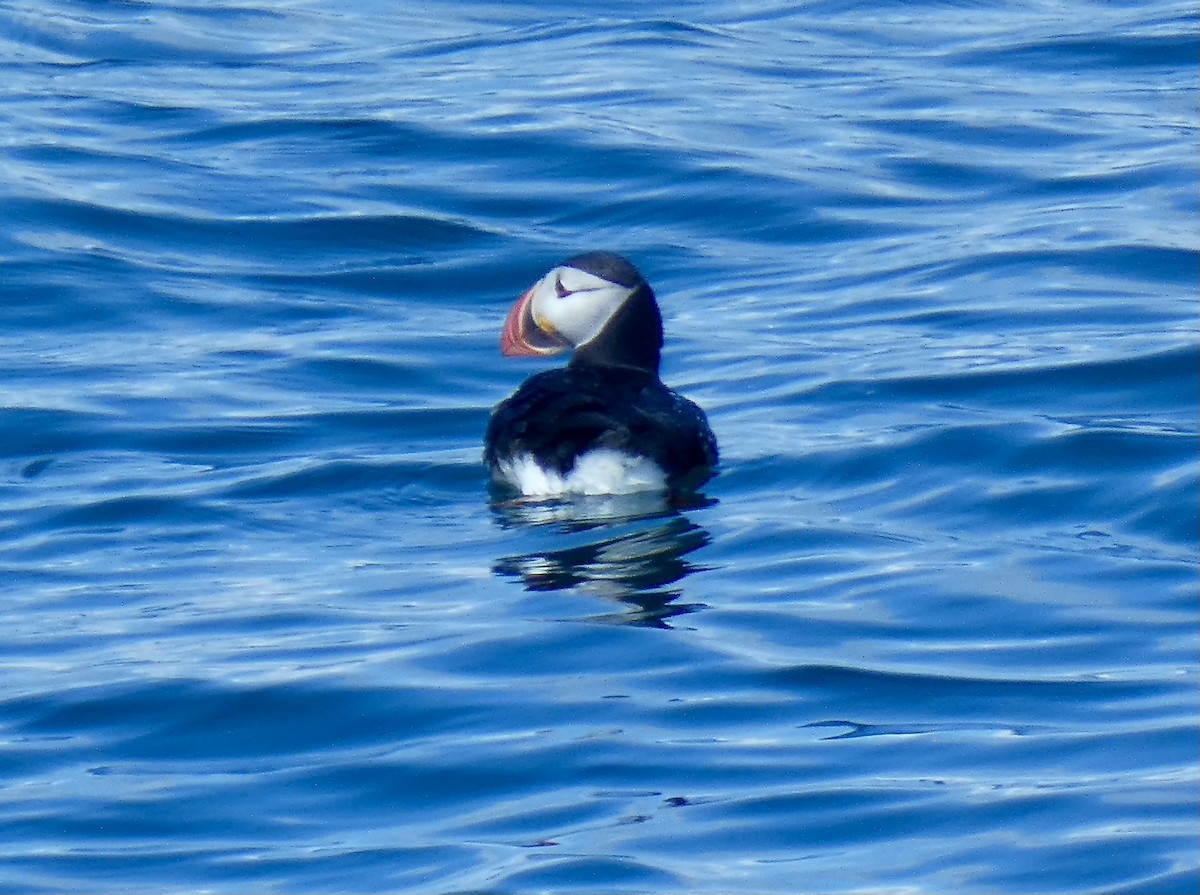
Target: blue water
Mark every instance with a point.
(930, 267)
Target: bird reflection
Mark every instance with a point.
(630, 549)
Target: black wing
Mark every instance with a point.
(559, 414)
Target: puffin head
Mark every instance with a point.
(596, 303)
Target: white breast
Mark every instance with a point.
(599, 471)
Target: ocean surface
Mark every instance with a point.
(930, 267)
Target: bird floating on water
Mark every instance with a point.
(604, 423)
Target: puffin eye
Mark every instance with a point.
(561, 290)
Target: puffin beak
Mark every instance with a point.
(523, 336)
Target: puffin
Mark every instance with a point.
(604, 423)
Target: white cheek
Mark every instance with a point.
(579, 316)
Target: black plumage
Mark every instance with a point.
(557, 415)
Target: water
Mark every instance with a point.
(930, 267)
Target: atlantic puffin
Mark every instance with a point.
(604, 423)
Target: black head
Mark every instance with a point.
(607, 266)
(596, 303)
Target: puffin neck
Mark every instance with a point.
(633, 336)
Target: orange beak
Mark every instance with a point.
(523, 337)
